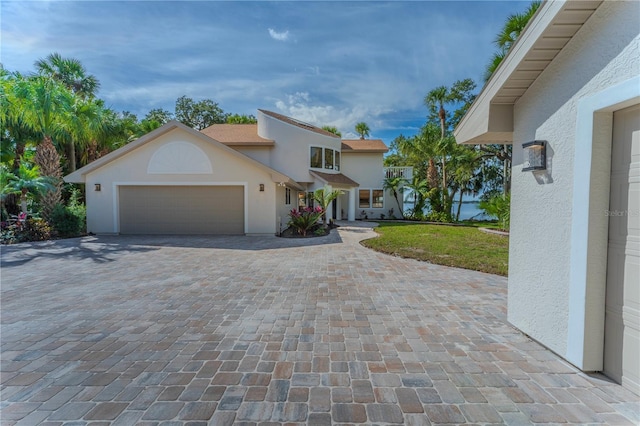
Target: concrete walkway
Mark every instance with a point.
(217, 330)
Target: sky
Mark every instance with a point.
(326, 63)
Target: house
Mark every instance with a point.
(231, 178)
(571, 85)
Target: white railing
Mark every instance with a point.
(394, 172)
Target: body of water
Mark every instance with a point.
(468, 210)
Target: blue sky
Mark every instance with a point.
(326, 63)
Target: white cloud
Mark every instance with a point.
(279, 36)
(301, 106)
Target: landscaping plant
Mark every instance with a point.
(304, 220)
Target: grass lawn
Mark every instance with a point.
(460, 246)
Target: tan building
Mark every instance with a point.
(232, 178)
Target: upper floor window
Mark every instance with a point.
(316, 157)
(324, 158)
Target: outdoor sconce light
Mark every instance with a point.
(535, 155)
(262, 187)
(98, 187)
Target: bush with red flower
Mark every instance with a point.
(305, 220)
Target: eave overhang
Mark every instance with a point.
(490, 118)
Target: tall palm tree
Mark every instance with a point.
(436, 100)
(363, 130)
(513, 26)
(45, 106)
(86, 114)
(71, 73)
(332, 129)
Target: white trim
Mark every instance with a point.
(116, 206)
(611, 99)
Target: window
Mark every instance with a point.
(365, 198)
(287, 196)
(378, 198)
(324, 158)
(316, 157)
(302, 200)
(371, 198)
(328, 158)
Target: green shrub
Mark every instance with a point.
(442, 217)
(68, 221)
(498, 207)
(21, 230)
(35, 229)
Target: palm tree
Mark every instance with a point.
(86, 112)
(325, 196)
(363, 130)
(436, 100)
(395, 185)
(332, 129)
(27, 182)
(71, 73)
(512, 29)
(47, 160)
(421, 192)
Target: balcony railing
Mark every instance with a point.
(394, 172)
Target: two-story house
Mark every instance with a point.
(232, 179)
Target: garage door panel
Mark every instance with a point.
(622, 310)
(181, 210)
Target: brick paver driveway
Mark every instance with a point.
(190, 330)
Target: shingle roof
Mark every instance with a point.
(297, 123)
(364, 145)
(336, 179)
(236, 134)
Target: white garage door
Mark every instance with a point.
(203, 210)
(622, 312)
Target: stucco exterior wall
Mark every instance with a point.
(291, 153)
(226, 169)
(603, 53)
(258, 153)
(368, 170)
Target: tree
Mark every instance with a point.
(26, 182)
(395, 185)
(241, 119)
(159, 115)
(332, 129)
(363, 130)
(510, 32)
(71, 73)
(199, 115)
(86, 113)
(325, 196)
(436, 100)
(47, 160)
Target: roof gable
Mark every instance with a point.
(79, 175)
(297, 123)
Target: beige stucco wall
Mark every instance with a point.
(291, 153)
(368, 170)
(603, 53)
(226, 168)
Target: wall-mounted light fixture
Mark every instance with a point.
(262, 187)
(535, 156)
(98, 187)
